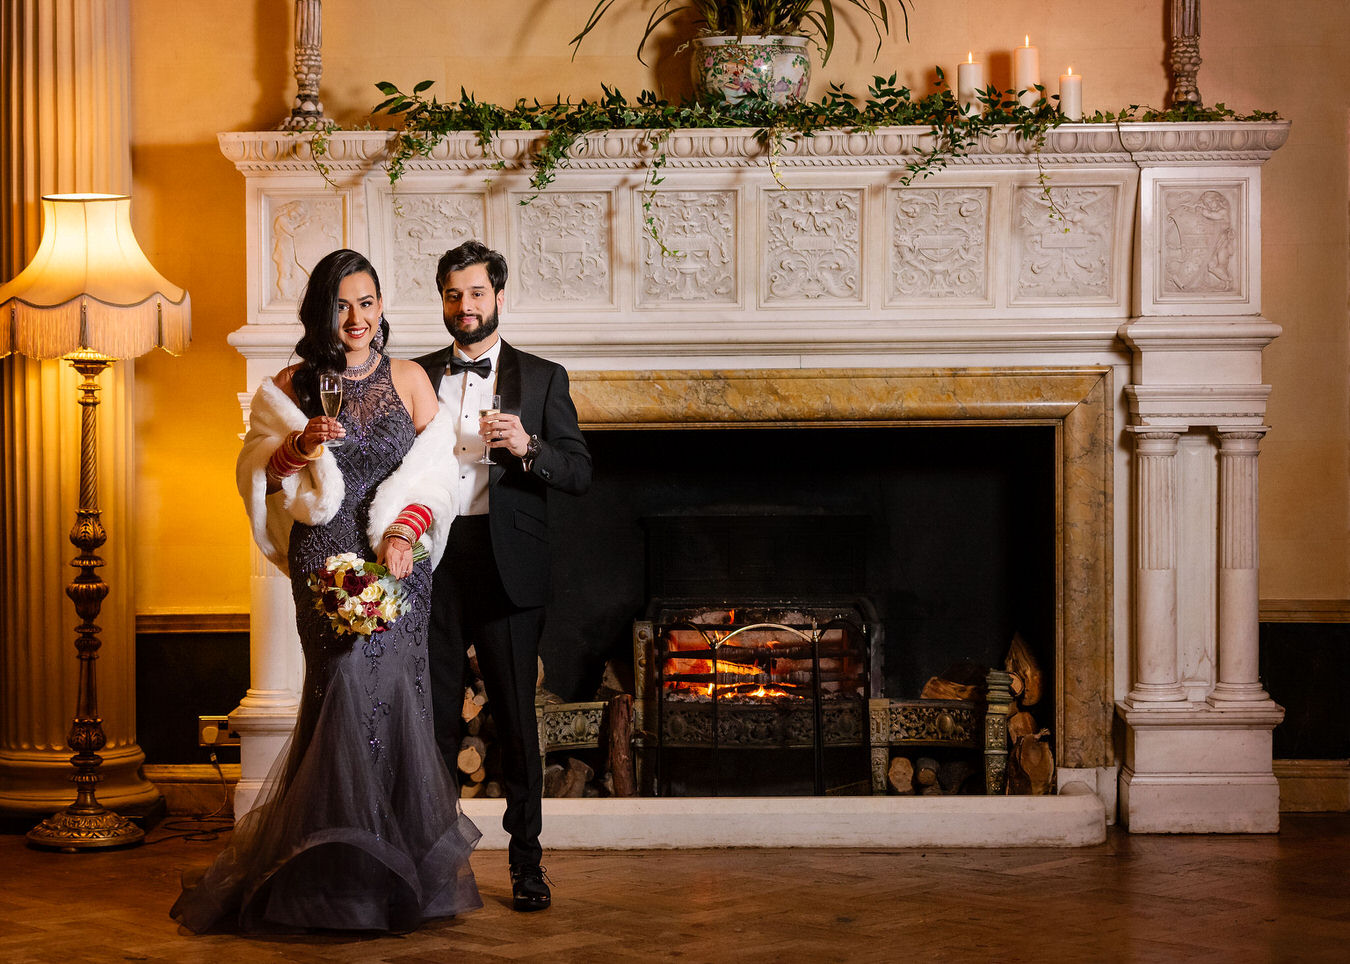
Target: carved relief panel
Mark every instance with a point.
(812, 247)
(424, 227)
(698, 229)
(298, 230)
(563, 244)
(939, 246)
(1064, 254)
(1201, 236)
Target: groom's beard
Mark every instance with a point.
(471, 336)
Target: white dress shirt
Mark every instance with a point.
(468, 393)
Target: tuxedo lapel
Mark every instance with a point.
(508, 387)
(508, 379)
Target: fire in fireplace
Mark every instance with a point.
(789, 681)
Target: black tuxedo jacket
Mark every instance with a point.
(536, 389)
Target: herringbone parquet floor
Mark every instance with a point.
(1134, 898)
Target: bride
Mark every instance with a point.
(358, 826)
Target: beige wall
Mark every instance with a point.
(201, 66)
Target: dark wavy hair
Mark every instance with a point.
(320, 348)
(471, 253)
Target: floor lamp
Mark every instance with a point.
(89, 296)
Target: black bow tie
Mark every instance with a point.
(482, 368)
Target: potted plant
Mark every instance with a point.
(757, 47)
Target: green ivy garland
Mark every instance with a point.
(425, 122)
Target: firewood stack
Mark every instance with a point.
(477, 734)
(478, 763)
(1031, 763)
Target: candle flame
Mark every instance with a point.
(1070, 71)
(970, 57)
(1028, 41)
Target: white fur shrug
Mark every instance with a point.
(314, 494)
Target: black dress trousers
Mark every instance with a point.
(469, 607)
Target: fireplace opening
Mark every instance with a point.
(943, 534)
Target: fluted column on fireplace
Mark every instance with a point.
(1239, 679)
(1156, 679)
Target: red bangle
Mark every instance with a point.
(416, 517)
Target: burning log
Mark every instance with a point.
(900, 775)
(622, 774)
(721, 679)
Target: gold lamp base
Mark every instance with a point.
(72, 830)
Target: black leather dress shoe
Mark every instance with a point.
(529, 887)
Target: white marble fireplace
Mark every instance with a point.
(1133, 327)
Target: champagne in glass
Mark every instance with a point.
(492, 406)
(330, 397)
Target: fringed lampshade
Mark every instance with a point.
(90, 289)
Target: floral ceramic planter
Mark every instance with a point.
(729, 68)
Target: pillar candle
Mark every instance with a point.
(1027, 73)
(1071, 95)
(969, 80)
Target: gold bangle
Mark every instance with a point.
(398, 530)
(292, 444)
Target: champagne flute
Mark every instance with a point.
(330, 397)
(492, 406)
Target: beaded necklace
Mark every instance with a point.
(354, 372)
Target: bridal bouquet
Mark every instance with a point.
(357, 596)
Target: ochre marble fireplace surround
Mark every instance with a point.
(853, 300)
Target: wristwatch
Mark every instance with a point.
(531, 452)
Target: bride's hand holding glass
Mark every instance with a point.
(330, 397)
(320, 430)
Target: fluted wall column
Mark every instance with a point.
(1155, 552)
(1239, 595)
(64, 127)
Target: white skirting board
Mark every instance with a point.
(1074, 818)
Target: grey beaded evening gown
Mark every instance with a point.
(358, 826)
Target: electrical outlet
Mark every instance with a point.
(215, 731)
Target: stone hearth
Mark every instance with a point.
(851, 299)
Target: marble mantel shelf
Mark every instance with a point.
(1132, 142)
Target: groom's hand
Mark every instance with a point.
(504, 431)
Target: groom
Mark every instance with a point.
(492, 583)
